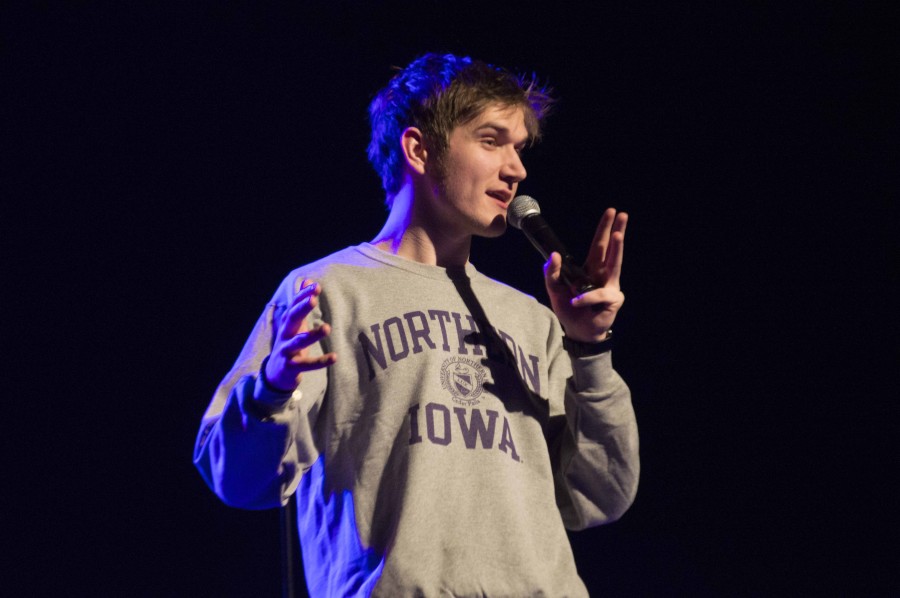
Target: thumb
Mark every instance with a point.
(552, 269)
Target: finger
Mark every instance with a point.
(552, 270)
(302, 305)
(303, 288)
(305, 364)
(305, 339)
(597, 253)
(301, 282)
(601, 297)
(621, 222)
(616, 251)
(308, 289)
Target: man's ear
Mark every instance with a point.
(413, 144)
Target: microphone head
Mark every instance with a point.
(520, 208)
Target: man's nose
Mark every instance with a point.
(513, 169)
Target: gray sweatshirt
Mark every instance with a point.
(445, 452)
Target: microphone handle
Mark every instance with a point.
(546, 242)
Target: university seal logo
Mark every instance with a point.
(463, 378)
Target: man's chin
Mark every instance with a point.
(496, 228)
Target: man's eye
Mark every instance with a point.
(489, 141)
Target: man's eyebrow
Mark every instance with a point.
(490, 125)
(499, 129)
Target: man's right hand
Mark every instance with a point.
(290, 351)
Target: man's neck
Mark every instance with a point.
(409, 236)
(416, 244)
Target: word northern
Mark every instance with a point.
(397, 337)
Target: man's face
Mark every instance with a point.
(480, 173)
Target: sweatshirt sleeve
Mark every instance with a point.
(254, 444)
(595, 446)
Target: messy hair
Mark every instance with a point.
(436, 93)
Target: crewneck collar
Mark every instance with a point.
(428, 271)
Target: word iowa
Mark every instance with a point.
(398, 337)
(473, 428)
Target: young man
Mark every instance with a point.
(441, 429)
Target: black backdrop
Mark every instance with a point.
(167, 165)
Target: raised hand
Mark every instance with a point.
(290, 352)
(581, 319)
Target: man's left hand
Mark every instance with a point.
(581, 320)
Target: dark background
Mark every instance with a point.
(166, 166)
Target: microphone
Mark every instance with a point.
(524, 213)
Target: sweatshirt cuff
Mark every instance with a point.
(593, 374)
(268, 400)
